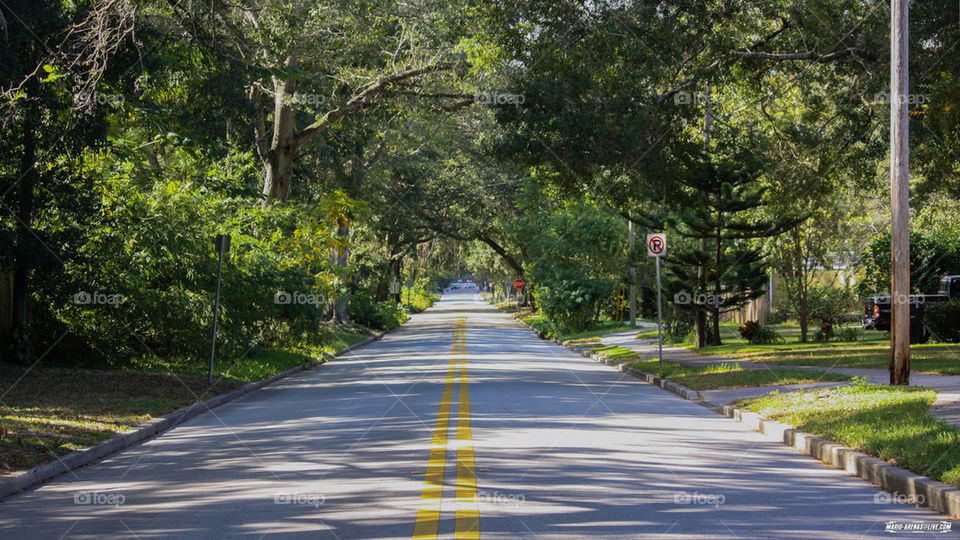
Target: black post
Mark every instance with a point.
(222, 243)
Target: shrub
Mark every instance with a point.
(758, 334)
(849, 334)
(833, 305)
(943, 320)
(572, 299)
(677, 330)
(824, 333)
(363, 310)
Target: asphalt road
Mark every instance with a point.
(460, 424)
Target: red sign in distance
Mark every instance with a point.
(519, 283)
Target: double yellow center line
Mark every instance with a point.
(467, 520)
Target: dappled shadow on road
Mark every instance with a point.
(564, 448)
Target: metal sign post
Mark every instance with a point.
(222, 243)
(657, 247)
(659, 317)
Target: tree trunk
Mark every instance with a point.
(397, 265)
(27, 184)
(804, 314)
(340, 308)
(701, 321)
(278, 172)
(278, 160)
(716, 294)
(701, 316)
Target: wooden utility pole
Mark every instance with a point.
(899, 194)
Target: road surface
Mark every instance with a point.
(459, 424)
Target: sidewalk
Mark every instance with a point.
(946, 408)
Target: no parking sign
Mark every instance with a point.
(656, 244)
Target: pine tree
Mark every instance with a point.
(722, 194)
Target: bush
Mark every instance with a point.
(758, 334)
(824, 333)
(677, 330)
(849, 334)
(833, 305)
(418, 298)
(150, 249)
(943, 320)
(363, 310)
(572, 299)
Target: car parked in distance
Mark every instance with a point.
(876, 312)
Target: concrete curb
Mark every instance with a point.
(13, 484)
(667, 385)
(925, 491)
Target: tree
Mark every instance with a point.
(313, 66)
(722, 195)
(43, 184)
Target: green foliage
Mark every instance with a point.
(943, 320)
(677, 329)
(932, 256)
(833, 305)
(824, 333)
(152, 247)
(419, 297)
(573, 255)
(385, 315)
(571, 299)
(718, 205)
(849, 334)
(758, 334)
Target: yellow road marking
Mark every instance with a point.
(457, 335)
(468, 511)
(428, 515)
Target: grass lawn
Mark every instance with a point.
(732, 375)
(892, 423)
(870, 350)
(941, 358)
(49, 411)
(615, 353)
(584, 343)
